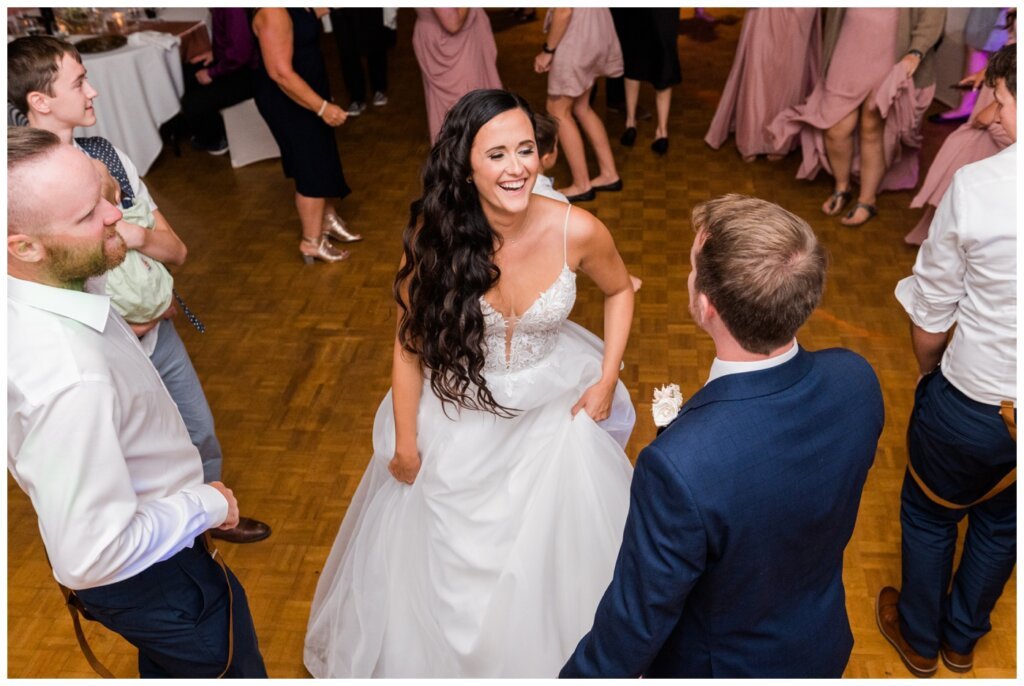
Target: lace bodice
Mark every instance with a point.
(533, 334)
(523, 342)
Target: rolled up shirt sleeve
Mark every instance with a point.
(97, 525)
(931, 296)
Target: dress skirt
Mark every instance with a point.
(309, 151)
(492, 563)
(648, 37)
(863, 65)
(777, 63)
(588, 50)
(966, 145)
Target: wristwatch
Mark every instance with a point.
(547, 50)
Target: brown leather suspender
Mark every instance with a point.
(1006, 412)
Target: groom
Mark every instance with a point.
(732, 558)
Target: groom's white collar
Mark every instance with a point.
(721, 368)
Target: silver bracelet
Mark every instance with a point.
(322, 108)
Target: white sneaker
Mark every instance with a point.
(379, 99)
(356, 108)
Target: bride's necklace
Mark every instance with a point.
(524, 229)
(519, 236)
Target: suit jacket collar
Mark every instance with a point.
(752, 384)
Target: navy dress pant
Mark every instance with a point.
(176, 614)
(960, 448)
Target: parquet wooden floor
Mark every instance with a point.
(295, 359)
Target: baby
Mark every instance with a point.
(547, 148)
(140, 288)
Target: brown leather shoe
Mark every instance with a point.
(248, 531)
(887, 615)
(957, 662)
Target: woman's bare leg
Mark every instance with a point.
(594, 128)
(839, 148)
(632, 88)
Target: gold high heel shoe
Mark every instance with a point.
(321, 250)
(334, 226)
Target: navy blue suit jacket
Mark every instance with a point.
(732, 557)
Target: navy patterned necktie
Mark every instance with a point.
(189, 314)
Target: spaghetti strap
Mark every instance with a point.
(565, 238)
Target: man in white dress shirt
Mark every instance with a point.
(962, 436)
(46, 77)
(95, 440)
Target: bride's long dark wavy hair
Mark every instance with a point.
(449, 249)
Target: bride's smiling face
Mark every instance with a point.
(505, 163)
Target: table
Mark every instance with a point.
(195, 38)
(140, 88)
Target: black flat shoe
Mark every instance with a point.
(629, 137)
(582, 197)
(612, 187)
(660, 146)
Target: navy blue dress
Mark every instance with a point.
(309, 152)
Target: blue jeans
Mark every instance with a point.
(176, 614)
(179, 376)
(961, 448)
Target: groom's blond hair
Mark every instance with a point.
(761, 266)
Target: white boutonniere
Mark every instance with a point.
(666, 404)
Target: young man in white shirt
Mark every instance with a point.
(95, 440)
(962, 436)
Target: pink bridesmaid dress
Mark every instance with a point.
(453, 64)
(964, 146)
(589, 49)
(777, 63)
(862, 65)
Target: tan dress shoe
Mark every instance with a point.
(957, 662)
(887, 614)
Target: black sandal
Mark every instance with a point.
(872, 213)
(837, 201)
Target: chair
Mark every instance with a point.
(249, 138)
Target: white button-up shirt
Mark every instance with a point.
(966, 274)
(95, 440)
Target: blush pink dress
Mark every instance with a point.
(589, 49)
(777, 63)
(453, 64)
(964, 146)
(864, 64)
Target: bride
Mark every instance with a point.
(486, 526)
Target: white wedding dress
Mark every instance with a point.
(492, 563)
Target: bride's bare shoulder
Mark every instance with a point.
(554, 213)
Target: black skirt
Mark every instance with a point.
(309, 152)
(648, 38)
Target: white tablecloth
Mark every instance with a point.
(139, 89)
